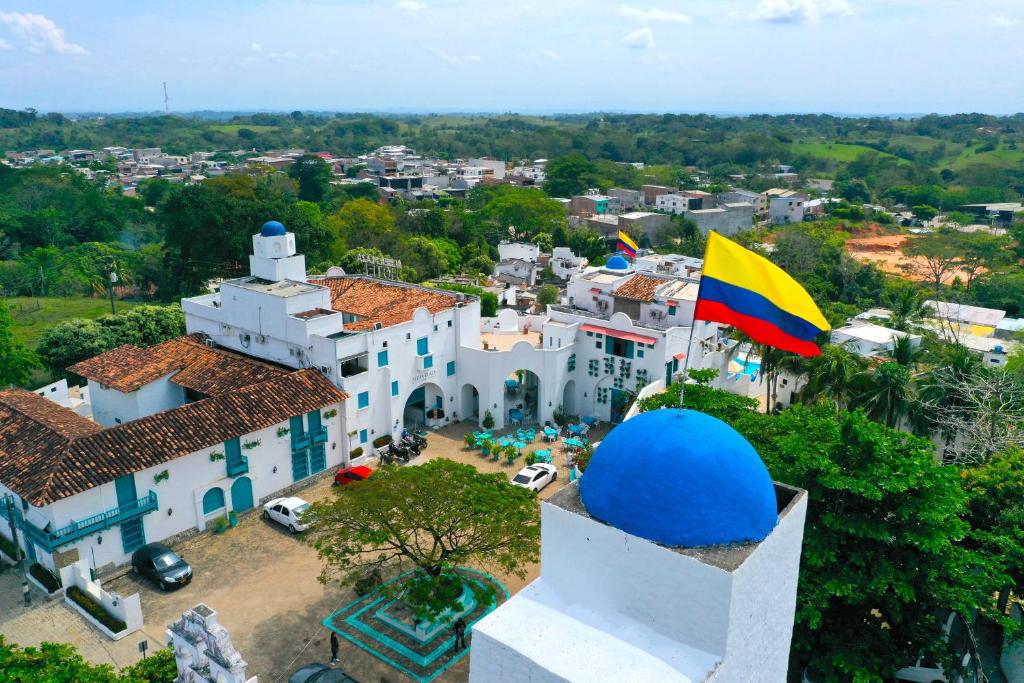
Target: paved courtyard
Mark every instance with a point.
(263, 584)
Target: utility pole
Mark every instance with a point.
(167, 100)
(21, 556)
(112, 275)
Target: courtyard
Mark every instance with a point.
(263, 583)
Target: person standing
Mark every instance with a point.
(334, 648)
(460, 633)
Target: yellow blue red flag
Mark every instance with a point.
(627, 245)
(749, 292)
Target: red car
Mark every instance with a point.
(351, 474)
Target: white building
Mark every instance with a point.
(868, 339)
(565, 264)
(630, 587)
(786, 208)
(727, 219)
(185, 433)
(497, 166)
(672, 203)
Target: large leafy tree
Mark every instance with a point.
(16, 361)
(313, 175)
(430, 519)
(61, 663)
(528, 209)
(569, 175)
(832, 374)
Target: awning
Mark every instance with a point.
(618, 334)
(679, 356)
(595, 290)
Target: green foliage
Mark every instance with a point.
(570, 175)
(703, 376)
(996, 511)
(16, 361)
(158, 667)
(49, 580)
(548, 294)
(356, 452)
(61, 663)
(95, 609)
(8, 549)
(488, 300)
(488, 421)
(313, 176)
(432, 518)
(527, 209)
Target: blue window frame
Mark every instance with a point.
(363, 436)
(382, 359)
(363, 399)
(428, 362)
(394, 388)
(213, 500)
(451, 368)
(422, 346)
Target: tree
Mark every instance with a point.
(362, 223)
(61, 663)
(832, 374)
(885, 392)
(432, 519)
(924, 212)
(907, 308)
(313, 175)
(16, 361)
(71, 341)
(569, 175)
(548, 294)
(526, 208)
(980, 252)
(935, 256)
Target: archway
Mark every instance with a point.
(569, 398)
(522, 396)
(424, 405)
(241, 494)
(469, 403)
(213, 500)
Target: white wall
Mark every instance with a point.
(111, 407)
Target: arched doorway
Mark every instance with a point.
(569, 398)
(469, 405)
(241, 494)
(213, 500)
(522, 396)
(425, 403)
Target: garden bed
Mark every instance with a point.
(94, 613)
(44, 579)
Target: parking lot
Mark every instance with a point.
(263, 582)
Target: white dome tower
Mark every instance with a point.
(274, 256)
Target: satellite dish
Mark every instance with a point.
(335, 271)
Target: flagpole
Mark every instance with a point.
(693, 324)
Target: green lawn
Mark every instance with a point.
(33, 316)
(832, 151)
(1000, 158)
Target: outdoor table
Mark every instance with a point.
(589, 419)
(516, 415)
(511, 384)
(550, 433)
(504, 441)
(480, 436)
(578, 429)
(519, 446)
(573, 443)
(544, 455)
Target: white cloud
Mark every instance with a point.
(282, 56)
(641, 39)
(800, 11)
(4, 45)
(454, 60)
(41, 34)
(1001, 21)
(551, 54)
(653, 15)
(410, 5)
(255, 47)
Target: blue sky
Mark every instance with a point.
(853, 56)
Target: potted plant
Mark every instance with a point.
(488, 421)
(511, 454)
(470, 440)
(531, 458)
(220, 525)
(486, 446)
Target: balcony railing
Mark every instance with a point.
(300, 441)
(238, 467)
(319, 435)
(51, 540)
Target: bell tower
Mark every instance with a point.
(274, 256)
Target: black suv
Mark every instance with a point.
(161, 564)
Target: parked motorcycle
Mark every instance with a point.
(415, 438)
(411, 445)
(398, 451)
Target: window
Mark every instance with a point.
(671, 310)
(363, 436)
(422, 346)
(382, 359)
(363, 399)
(428, 362)
(449, 323)
(639, 353)
(394, 388)
(450, 368)
(597, 345)
(213, 500)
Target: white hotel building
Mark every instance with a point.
(283, 376)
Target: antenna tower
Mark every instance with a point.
(167, 100)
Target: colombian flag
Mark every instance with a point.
(749, 292)
(626, 245)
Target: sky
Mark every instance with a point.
(526, 56)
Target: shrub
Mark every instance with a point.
(488, 421)
(95, 610)
(511, 454)
(356, 452)
(220, 525)
(48, 579)
(531, 458)
(470, 440)
(382, 441)
(8, 549)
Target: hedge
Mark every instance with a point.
(356, 452)
(95, 610)
(382, 441)
(8, 549)
(44, 576)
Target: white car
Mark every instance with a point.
(288, 512)
(535, 477)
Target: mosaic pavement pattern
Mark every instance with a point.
(381, 626)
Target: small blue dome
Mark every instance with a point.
(272, 229)
(680, 478)
(617, 263)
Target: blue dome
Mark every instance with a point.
(272, 229)
(680, 478)
(617, 263)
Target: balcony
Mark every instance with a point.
(300, 441)
(319, 435)
(237, 467)
(51, 540)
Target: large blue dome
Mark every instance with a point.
(272, 229)
(617, 263)
(680, 478)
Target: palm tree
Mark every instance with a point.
(907, 309)
(904, 351)
(773, 361)
(832, 374)
(886, 393)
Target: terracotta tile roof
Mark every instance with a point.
(640, 288)
(48, 453)
(208, 370)
(375, 301)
